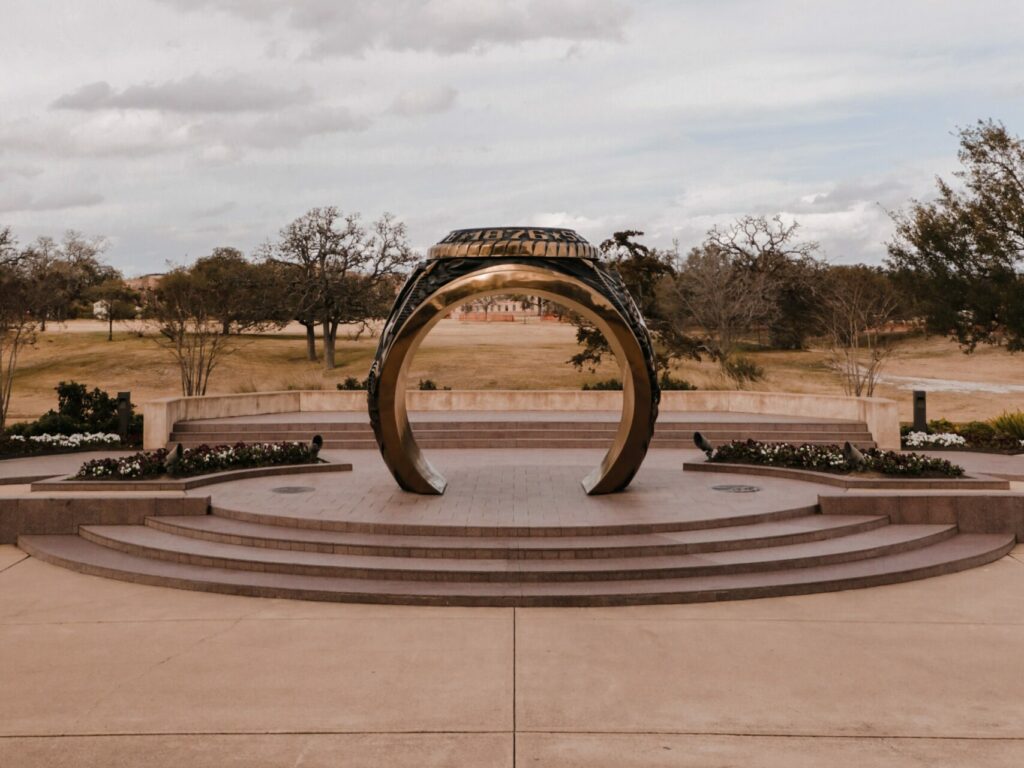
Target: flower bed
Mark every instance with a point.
(202, 460)
(933, 439)
(1000, 435)
(830, 458)
(12, 446)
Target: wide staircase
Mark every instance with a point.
(772, 553)
(521, 433)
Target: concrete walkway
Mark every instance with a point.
(98, 673)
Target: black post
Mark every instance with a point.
(124, 414)
(920, 411)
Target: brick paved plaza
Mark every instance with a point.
(102, 672)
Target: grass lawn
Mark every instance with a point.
(475, 355)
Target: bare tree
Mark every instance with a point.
(339, 270)
(773, 247)
(858, 302)
(17, 328)
(184, 306)
(714, 291)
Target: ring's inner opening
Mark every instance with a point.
(509, 341)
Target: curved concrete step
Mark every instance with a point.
(495, 433)
(436, 529)
(768, 534)
(505, 442)
(151, 543)
(954, 554)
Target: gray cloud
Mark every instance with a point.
(198, 93)
(25, 201)
(440, 26)
(215, 210)
(424, 101)
(692, 117)
(283, 129)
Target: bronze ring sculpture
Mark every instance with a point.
(556, 264)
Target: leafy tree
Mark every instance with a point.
(62, 273)
(962, 254)
(642, 270)
(249, 297)
(119, 301)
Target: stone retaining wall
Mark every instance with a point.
(40, 514)
(880, 415)
(977, 512)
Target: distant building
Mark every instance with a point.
(144, 282)
(507, 309)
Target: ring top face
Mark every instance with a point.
(546, 242)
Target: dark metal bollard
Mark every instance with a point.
(124, 414)
(920, 411)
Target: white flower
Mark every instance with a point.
(946, 439)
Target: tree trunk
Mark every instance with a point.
(310, 341)
(110, 325)
(225, 327)
(330, 334)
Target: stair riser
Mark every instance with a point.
(499, 553)
(399, 529)
(505, 426)
(531, 601)
(514, 576)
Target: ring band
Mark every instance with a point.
(459, 271)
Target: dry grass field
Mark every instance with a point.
(474, 355)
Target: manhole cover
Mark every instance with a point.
(293, 489)
(736, 488)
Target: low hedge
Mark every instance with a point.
(830, 458)
(201, 460)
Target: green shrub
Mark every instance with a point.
(79, 411)
(608, 385)
(352, 383)
(939, 426)
(428, 385)
(669, 382)
(743, 369)
(1010, 425)
(978, 432)
(666, 382)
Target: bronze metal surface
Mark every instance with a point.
(582, 284)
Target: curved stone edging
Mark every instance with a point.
(879, 414)
(847, 481)
(71, 483)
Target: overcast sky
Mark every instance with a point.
(173, 126)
